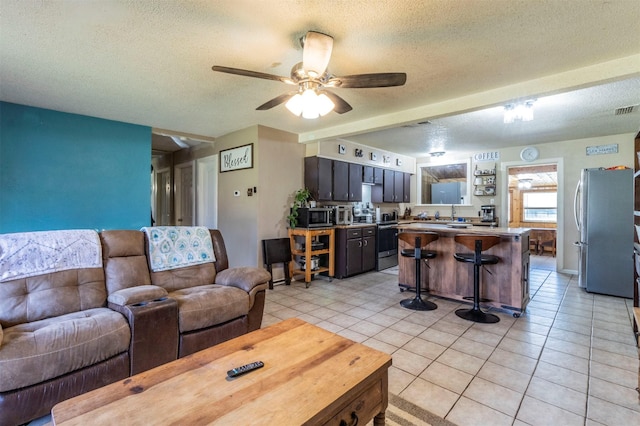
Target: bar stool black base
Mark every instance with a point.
(476, 315)
(417, 304)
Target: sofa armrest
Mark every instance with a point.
(136, 295)
(1, 334)
(245, 278)
(154, 331)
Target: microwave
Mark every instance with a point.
(316, 217)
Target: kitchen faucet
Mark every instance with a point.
(453, 212)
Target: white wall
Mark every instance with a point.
(276, 174)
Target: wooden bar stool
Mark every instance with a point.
(418, 241)
(477, 243)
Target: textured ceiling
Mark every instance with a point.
(149, 62)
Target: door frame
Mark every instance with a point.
(177, 190)
(504, 200)
(207, 192)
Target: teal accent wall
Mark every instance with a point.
(68, 171)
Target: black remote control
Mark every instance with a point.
(245, 369)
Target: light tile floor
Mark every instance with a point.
(570, 359)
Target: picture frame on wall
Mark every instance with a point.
(237, 158)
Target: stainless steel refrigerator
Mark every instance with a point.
(604, 216)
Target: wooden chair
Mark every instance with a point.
(477, 243)
(547, 241)
(418, 241)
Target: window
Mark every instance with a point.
(540, 206)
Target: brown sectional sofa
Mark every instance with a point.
(68, 332)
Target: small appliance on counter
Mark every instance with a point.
(488, 213)
(389, 217)
(318, 217)
(342, 215)
(363, 213)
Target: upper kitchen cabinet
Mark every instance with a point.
(368, 175)
(347, 181)
(378, 175)
(394, 188)
(406, 195)
(332, 180)
(355, 182)
(318, 178)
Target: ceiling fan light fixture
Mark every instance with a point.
(310, 104)
(519, 112)
(525, 184)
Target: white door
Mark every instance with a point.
(207, 192)
(184, 201)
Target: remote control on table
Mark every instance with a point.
(245, 369)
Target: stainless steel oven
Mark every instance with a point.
(387, 245)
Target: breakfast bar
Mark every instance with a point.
(505, 285)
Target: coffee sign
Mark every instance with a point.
(236, 158)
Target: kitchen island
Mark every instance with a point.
(504, 285)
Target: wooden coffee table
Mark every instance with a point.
(310, 377)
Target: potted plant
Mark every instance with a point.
(299, 200)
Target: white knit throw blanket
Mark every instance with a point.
(27, 254)
(173, 247)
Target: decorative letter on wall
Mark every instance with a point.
(236, 158)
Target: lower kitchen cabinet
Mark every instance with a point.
(355, 250)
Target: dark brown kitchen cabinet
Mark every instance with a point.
(368, 175)
(355, 251)
(388, 188)
(393, 186)
(398, 186)
(347, 181)
(318, 177)
(340, 181)
(355, 182)
(406, 193)
(378, 175)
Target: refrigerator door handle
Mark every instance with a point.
(576, 206)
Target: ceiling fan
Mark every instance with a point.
(312, 100)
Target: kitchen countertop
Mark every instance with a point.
(444, 227)
(355, 225)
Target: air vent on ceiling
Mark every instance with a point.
(418, 124)
(626, 110)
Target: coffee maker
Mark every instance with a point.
(488, 213)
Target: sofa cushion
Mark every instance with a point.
(126, 272)
(49, 295)
(124, 260)
(137, 295)
(41, 350)
(244, 277)
(180, 278)
(208, 305)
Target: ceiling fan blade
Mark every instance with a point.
(275, 102)
(341, 106)
(256, 74)
(361, 81)
(316, 53)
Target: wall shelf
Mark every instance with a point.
(484, 182)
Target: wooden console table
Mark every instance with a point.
(310, 377)
(309, 235)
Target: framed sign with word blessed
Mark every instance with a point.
(236, 158)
